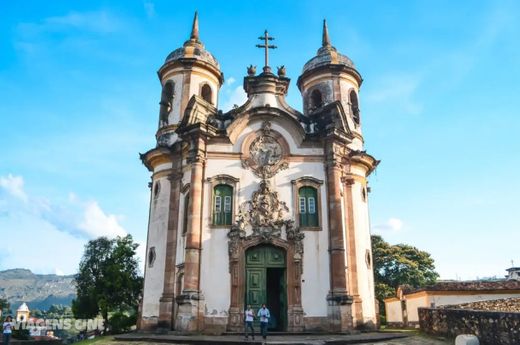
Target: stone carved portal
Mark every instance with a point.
(261, 221)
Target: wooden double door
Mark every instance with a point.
(266, 282)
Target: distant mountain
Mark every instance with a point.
(39, 291)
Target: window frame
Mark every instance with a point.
(213, 182)
(308, 181)
(201, 90)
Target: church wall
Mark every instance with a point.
(316, 243)
(174, 117)
(215, 258)
(200, 77)
(346, 85)
(363, 244)
(154, 277)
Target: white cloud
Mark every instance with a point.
(392, 224)
(96, 223)
(84, 219)
(96, 21)
(14, 186)
(236, 96)
(231, 81)
(397, 91)
(58, 225)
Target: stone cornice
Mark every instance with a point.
(363, 158)
(155, 156)
(189, 63)
(335, 68)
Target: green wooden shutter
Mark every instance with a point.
(222, 204)
(308, 206)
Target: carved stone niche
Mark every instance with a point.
(265, 152)
(261, 221)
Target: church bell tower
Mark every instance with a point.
(187, 71)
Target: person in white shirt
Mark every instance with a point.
(264, 315)
(7, 326)
(249, 317)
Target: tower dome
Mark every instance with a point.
(193, 49)
(328, 55)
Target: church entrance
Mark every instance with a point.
(266, 283)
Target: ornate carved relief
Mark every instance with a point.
(263, 218)
(265, 155)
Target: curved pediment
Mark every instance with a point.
(260, 114)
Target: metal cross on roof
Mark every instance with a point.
(266, 38)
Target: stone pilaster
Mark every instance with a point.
(339, 302)
(167, 300)
(350, 234)
(190, 316)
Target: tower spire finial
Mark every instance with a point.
(195, 28)
(325, 40)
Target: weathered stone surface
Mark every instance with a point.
(491, 327)
(508, 305)
(466, 339)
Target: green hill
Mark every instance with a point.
(39, 291)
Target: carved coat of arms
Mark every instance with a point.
(265, 154)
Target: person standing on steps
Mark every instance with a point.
(7, 329)
(263, 314)
(249, 317)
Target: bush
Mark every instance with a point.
(121, 322)
(21, 334)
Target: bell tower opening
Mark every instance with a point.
(266, 283)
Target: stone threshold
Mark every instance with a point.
(274, 339)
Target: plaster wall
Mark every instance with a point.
(154, 277)
(394, 312)
(365, 274)
(174, 115)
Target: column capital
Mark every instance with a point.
(175, 176)
(348, 181)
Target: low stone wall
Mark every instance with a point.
(491, 327)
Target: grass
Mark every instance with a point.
(97, 340)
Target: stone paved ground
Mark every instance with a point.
(412, 340)
(416, 340)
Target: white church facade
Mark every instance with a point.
(260, 204)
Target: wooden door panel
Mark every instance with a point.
(255, 286)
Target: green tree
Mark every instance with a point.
(399, 264)
(4, 306)
(108, 280)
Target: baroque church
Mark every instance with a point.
(260, 204)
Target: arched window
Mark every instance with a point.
(222, 204)
(166, 100)
(308, 206)
(316, 99)
(354, 106)
(185, 215)
(205, 93)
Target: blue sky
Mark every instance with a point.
(79, 99)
